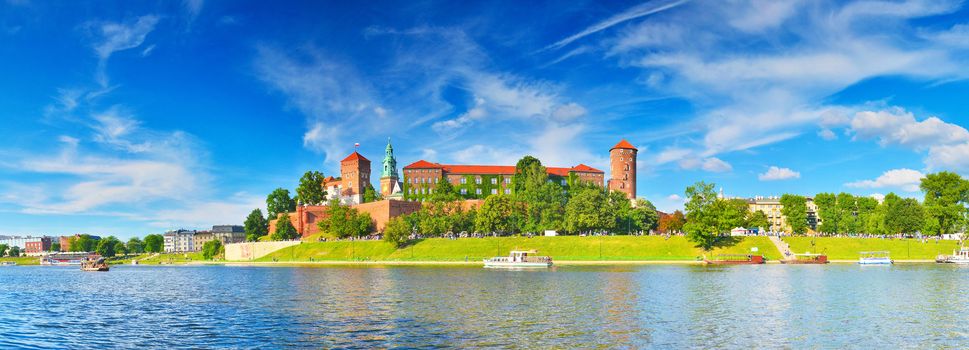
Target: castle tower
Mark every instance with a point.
(622, 159)
(389, 180)
(355, 173)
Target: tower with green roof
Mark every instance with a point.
(390, 186)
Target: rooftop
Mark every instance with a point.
(496, 169)
(624, 145)
(355, 156)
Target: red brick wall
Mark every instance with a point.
(305, 218)
(623, 171)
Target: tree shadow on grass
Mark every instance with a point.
(725, 241)
(410, 242)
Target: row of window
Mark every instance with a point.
(464, 191)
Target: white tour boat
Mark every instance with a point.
(960, 257)
(875, 258)
(519, 259)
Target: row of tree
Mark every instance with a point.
(943, 211)
(536, 205)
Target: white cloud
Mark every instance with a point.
(899, 127)
(905, 179)
(111, 37)
(827, 134)
(672, 154)
(775, 173)
(948, 157)
(675, 198)
(568, 112)
(751, 96)
(485, 155)
(630, 14)
(711, 164)
(205, 214)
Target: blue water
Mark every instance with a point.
(769, 306)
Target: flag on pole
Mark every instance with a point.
(356, 144)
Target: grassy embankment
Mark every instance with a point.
(848, 248)
(564, 248)
(23, 260)
(152, 259)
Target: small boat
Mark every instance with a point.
(960, 257)
(519, 259)
(94, 265)
(806, 259)
(735, 259)
(8, 263)
(875, 258)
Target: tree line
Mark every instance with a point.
(943, 211)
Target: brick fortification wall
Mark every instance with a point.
(305, 218)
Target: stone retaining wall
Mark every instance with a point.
(254, 250)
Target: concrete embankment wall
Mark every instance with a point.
(254, 250)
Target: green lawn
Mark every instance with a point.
(23, 260)
(848, 248)
(614, 248)
(146, 259)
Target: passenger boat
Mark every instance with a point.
(875, 258)
(519, 259)
(94, 265)
(807, 259)
(735, 259)
(960, 257)
(8, 263)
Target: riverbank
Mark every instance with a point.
(848, 249)
(22, 260)
(605, 249)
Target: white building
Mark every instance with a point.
(18, 241)
(179, 241)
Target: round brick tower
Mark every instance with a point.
(622, 159)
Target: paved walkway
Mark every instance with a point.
(782, 247)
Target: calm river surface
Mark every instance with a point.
(769, 306)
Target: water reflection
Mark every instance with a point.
(773, 306)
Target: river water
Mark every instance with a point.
(767, 306)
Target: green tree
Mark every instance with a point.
(903, 215)
(55, 247)
(396, 231)
(256, 225)
(120, 248)
(644, 216)
(82, 243)
(848, 210)
(3, 249)
(795, 209)
(13, 251)
(135, 246)
(731, 213)
(497, 214)
(278, 202)
(946, 195)
(589, 210)
(444, 191)
(105, 246)
(370, 195)
(154, 243)
(343, 221)
(311, 190)
(212, 249)
(757, 219)
(867, 208)
(875, 221)
(284, 229)
(701, 214)
(828, 212)
(529, 174)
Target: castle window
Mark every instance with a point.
(477, 180)
(464, 180)
(627, 167)
(477, 191)
(464, 191)
(564, 182)
(437, 180)
(507, 180)
(494, 191)
(430, 191)
(494, 181)
(507, 191)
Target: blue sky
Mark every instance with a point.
(129, 118)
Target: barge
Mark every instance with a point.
(735, 259)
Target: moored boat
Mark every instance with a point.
(875, 258)
(807, 259)
(519, 259)
(8, 263)
(735, 259)
(94, 265)
(960, 257)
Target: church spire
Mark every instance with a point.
(390, 163)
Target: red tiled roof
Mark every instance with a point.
(624, 144)
(423, 164)
(355, 156)
(586, 168)
(480, 169)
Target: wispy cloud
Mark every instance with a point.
(111, 37)
(776, 173)
(635, 12)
